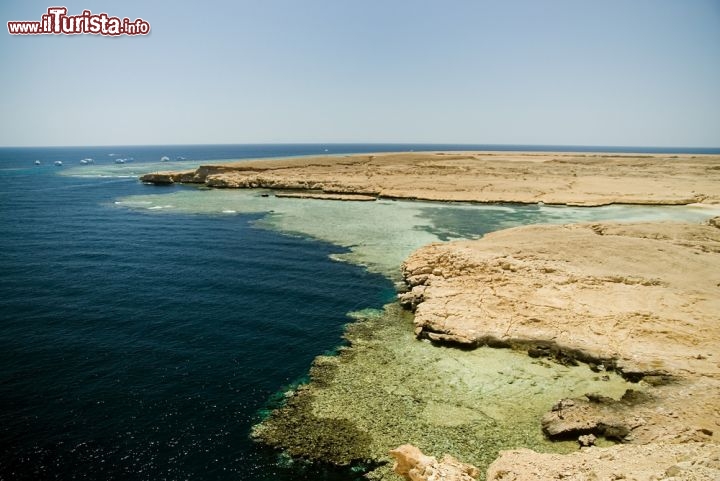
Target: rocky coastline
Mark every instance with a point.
(386, 389)
(630, 300)
(637, 299)
(583, 179)
(610, 331)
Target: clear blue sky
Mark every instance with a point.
(575, 72)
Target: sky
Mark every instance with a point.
(552, 72)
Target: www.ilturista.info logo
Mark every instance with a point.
(57, 21)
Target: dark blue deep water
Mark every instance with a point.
(137, 346)
(143, 347)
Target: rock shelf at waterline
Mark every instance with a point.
(388, 388)
(632, 300)
(587, 179)
(637, 299)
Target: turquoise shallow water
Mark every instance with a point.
(143, 329)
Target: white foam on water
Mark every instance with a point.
(132, 203)
(132, 170)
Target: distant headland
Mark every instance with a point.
(583, 179)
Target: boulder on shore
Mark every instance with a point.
(413, 465)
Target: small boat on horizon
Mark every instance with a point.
(58, 163)
(37, 162)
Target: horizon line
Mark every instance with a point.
(673, 147)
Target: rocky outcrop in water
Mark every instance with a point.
(413, 465)
(595, 415)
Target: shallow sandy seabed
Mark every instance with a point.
(380, 235)
(388, 389)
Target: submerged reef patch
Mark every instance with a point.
(388, 388)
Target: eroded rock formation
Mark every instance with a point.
(640, 299)
(413, 465)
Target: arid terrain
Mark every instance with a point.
(639, 300)
(530, 177)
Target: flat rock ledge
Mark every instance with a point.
(676, 462)
(523, 177)
(637, 298)
(640, 299)
(687, 462)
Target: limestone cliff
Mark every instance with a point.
(639, 298)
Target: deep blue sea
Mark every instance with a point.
(144, 347)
